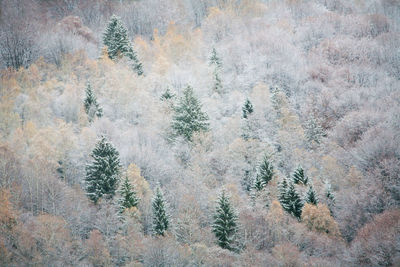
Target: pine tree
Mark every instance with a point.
(247, 109)
(128, 198)
(215, 60)
(102, 175)
(118, 45)
(259, 183)
(299, 176)
(291, 201)
(282, 188)
(160, 215)
(92, 108)
(167, 95)
(225, 223)
(266, 170)
(313, 131)
(188, 117)
(311, 196)
(217, 82)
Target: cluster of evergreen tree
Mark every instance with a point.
(115, 38)
(291, 200)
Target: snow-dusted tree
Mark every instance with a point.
(215, 60)
(247, 109)
(311, 196)
(129, 198)
(92, 108)
(282, 189)
(160, 214)
(188, 117)
(102, 175)
(225, 222)
(291, 201)
(118, 45)
(313, 131)
(266, 170)
(167, 95)
(299, 177)
(259, 183)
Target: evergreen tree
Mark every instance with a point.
(291, 201)
(282, 188)
(128, 198)
(311, 196)
(266, 170)
(247, 109)
(160, 215)
(225, 222)
(215, 60)
(167, 95)
(217, 82)
(259, 183)
(299, 176)
(92, 108)
(188, 117)
(118, 45)
(313, 131)
(102, 175)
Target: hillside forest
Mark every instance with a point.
(200, 133)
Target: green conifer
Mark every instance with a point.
(266, 170)
(160, 215)
(225, 223)
(128, 198)
(118, 45)
(299, 177)
(102, 175)
(247, 109)
(188, 117)
(92, 108)
(291, 201)
(311, 196)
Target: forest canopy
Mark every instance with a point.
(199, 133)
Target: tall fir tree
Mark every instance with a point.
(291, 201)
(92, 108)
(215, 60)
(259, 183)
(311, 196)
(160, 214)
(313, 131)
(188, 117)
(225, 224)
(299, 176)
(129, 198)
(118, 45)
(282, 189)
(247, 109)
(102, 175)
(266, 170)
